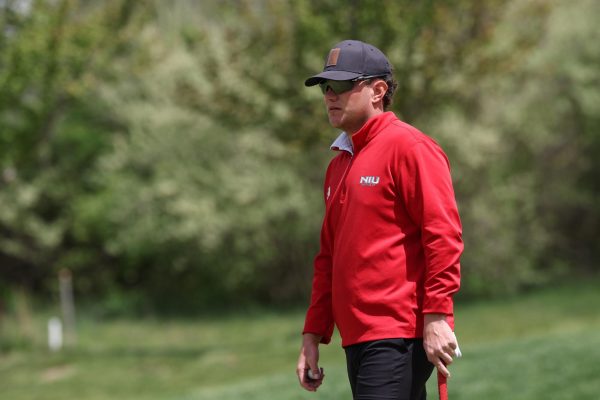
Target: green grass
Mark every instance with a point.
(545, 345)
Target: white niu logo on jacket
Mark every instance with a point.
(369, 180)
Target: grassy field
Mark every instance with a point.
(545, 345)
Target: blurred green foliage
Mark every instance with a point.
(169, 154)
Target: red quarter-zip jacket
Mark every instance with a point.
(391, 237)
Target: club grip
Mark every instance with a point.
(442, 386)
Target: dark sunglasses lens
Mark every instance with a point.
(338, 87)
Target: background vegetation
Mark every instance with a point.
(168, 154)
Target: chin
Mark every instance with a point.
(335, 122)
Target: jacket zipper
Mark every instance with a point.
(341, 185)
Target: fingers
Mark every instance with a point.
(441, 363)
(446, 358)
(445, 354)
(442, 357)
(315, 374)
(441, 360)
(301, 372)
(310, 380)
(308, 364)
(442, 368)
(440, 343)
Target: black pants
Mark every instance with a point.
(390, 369)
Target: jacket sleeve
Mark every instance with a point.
(319, 317)
(429, 198)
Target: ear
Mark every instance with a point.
(379, 90)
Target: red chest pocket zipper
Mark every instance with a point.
(344, 188)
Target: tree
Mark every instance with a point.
(169, 152)
(53, 56)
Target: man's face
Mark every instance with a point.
(349, 111)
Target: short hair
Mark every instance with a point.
(388, 98)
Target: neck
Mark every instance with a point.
(374, 112)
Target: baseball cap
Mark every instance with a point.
(351, 59)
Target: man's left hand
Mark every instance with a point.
(439, 342)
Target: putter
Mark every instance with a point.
(442, 381)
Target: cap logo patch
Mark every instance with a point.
(333, 57)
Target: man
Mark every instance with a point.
(388, 264)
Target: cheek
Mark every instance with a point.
(357, 103)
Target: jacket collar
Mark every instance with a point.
(343, 143)
(353, 144)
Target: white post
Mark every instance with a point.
(67, 305)
(55, 334)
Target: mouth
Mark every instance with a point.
(330, 109)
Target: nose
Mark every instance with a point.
(330, 94)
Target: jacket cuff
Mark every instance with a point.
(325, 339)
(438, 305)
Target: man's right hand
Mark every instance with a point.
(309, 360)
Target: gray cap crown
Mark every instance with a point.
(352, 59)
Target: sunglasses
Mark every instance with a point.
(339, 87)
